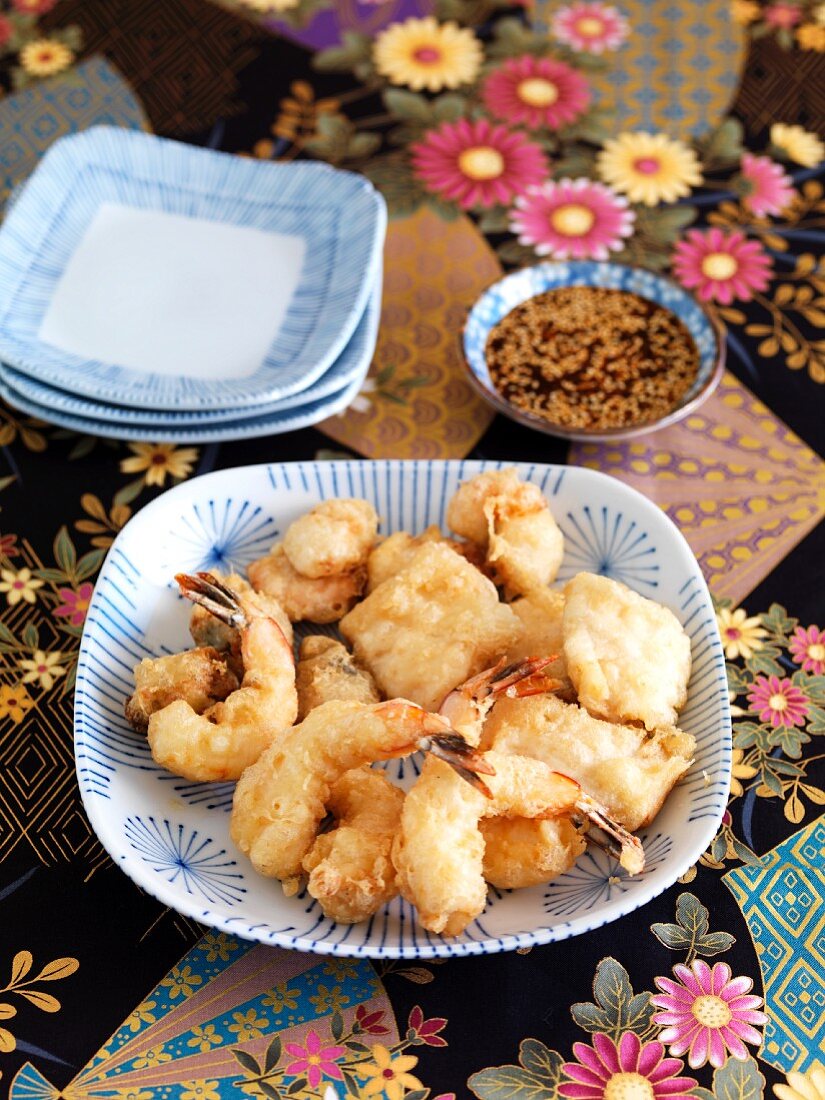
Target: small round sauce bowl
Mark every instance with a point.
(507, 293)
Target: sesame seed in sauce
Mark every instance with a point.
(591, 358)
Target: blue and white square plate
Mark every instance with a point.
(348, 371)
(172, 836)
(147, 273)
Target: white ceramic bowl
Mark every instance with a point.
(172, 836)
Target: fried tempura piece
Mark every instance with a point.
(207, 630)
(333, 537)
(317, 599)
(511, 520)
(200, 677)
(326, 670)
(628, 657)
(398, 550)
(350, 870)
(231, 735)
(439, 850)
(521, 851)
(626, 768)
(429, 627)
(281, 800)
(540, 614)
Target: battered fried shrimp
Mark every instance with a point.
(333, 537)
(512, 522)
(429, 627)
(540, 614)
(281, 800)
(207, 630)
(520, 851)
(397, 551)
(467, 706)
(626, 768)
(326, 670)
(232, 734)
(350, 870)
(628, 657)
(201, 677)
(439, 851)
(316, 599)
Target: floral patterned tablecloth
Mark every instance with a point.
(678, 135)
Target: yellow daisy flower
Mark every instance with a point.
(426, 54)
(45, 57)
(740, 771)
(803, 1086)
(649, 168)
(44, 667)
(14, 702)
(200, 1090)
(389, 1075)
(811, 37)
(741, 636)
(19, 586)
(158, 460)
(744, 11)
(800, 146)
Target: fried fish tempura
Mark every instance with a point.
(316, 599)
(512, 522)
(350, 870)
(333, 537)
(626, 768)
(398, 550)
(429, 627)
(200, 677)
(521, 851)
(207, 630)
(439, 851)
(281, 800)
(326, 671)
(231, 735)
(628, 657)
(540, 614)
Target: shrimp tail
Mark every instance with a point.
(461, 756)
(630, 852)
(213, 595)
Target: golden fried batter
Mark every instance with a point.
(628, 657)
(318, 599)
(350, 870)
(540, 614)
(200, 677)
(333, 537)
(429, 627)
(512, 522)
(522, 851)
(626, 768)
(326, 670)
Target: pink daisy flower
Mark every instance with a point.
(314, 1060)
(769, 187)
(477, 163)
(536, 91)
(782, 15)
(604, 1068)
(707, 1012)
(75, 604)
(779, 702)
(721, 266)
(6, 29)
(572, 219)
(591, 27)
(808, 649)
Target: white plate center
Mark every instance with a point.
(167, 294)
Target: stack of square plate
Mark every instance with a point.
(160, 291)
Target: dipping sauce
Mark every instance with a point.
(588, 357)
